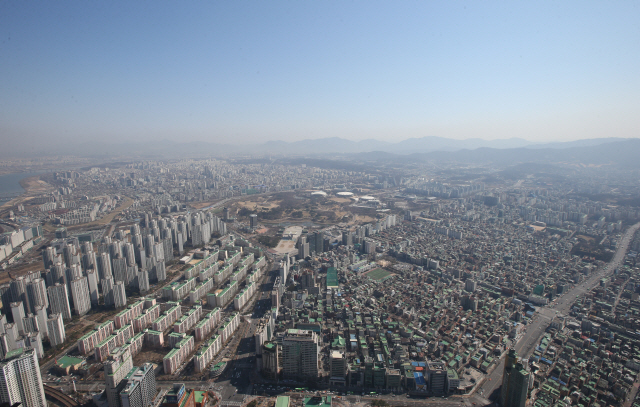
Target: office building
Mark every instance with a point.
(338, 366)
(300, 354)
(59, 300)
(515, 382)
(20, 380)
(470, 285)
(253, 221)
(437, 373)
(270, 360)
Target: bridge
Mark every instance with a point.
(60, 396)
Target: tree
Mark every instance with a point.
(379, 403)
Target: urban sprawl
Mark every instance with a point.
(260, 282)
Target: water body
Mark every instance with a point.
(10, 185)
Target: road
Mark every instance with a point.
(534, 331)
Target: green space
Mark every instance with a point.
(379, 274)
(332, 277)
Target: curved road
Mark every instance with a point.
(534, 331)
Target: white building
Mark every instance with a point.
(119, 294)
(20, 379)
(55, 328)
(80, 296)
(59, 300)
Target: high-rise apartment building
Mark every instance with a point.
(30, 323)
(107, 291)
(20, 379)
(104, 266)
(41, 314)
(37, 294)
(55, 328)
(17, 311)
(80, 296)
(140, 388)
(92, 280)
(119, 295)
(115, 370)
(59, 300)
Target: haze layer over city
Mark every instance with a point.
(319, 204)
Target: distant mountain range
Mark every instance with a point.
(506, 151)
(623, 153)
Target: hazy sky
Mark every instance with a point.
(237, 71)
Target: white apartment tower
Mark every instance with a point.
(80, 296)
(20, 379)
(59, 300)
(55, 327)
(119, 295)
(115, 370)
(92, 280)
(18, 314)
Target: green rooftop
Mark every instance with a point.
(14, 353)
(67, 361)
(282, 401)
(198, 396)
(318, 401)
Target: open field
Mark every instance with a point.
(108, 218)
(378, 274)
(290, 237)
(262, 204)
(150, 355)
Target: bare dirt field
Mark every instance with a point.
(262, 204)
(150, 355)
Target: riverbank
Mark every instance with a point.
(33, 186)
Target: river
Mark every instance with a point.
(10, 185)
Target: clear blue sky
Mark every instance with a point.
(238, 71)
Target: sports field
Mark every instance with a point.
(379, 274)
(332, 277)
